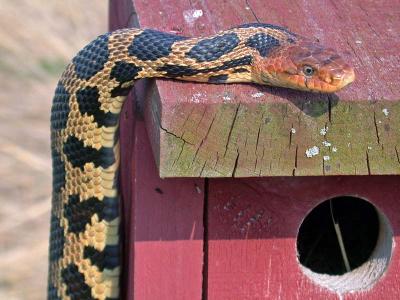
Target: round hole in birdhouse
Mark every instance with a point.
(345, 244)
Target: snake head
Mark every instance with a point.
(304, 65)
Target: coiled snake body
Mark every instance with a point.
(84, 243)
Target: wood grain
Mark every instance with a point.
(246, 130)
(253, 225)
(247, 248)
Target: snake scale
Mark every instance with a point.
(84, 255)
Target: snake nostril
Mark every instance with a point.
(343, 77)
(327, 79)
(349, 76)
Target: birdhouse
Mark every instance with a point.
(247, 192)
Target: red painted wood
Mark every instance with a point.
(252, 230)
(166, 223)
(256, 261)
(164, 227)
(163, 219)
(366, 33)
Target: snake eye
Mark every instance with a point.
(308, 70)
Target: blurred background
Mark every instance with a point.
(37, 39)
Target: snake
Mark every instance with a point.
(85, 259)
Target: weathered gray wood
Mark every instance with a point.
(273, 139)
(246, 130)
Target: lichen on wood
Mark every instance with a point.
(270, 138)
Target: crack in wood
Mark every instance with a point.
(236, 164)
(187, 118)
(330, 109)
(355, 53)
(367, 21)
(376, 129)
(256, 149)
(252, 11)
(177, 136)
(179, 155)
(368, 165)
(216, 161)
(203, 140)
(258, 137)
(245, 141)
(257, 141)
(202, 169)
(204, 276)
(262, 159)
(397, 154)
(231, 128)
(269, 149)
(196, 153)
(202, 117)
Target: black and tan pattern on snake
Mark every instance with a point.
(85, 260)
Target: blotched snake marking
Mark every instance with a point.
(85, 259)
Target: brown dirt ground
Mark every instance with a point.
(37, 39)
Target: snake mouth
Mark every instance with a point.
(329, 86)
(347, 78)
(338, 82)
(326, 84)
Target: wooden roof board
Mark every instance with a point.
(366, 33)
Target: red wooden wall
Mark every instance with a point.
(163, 223)
(225, 238)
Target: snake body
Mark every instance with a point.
(84, 258)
